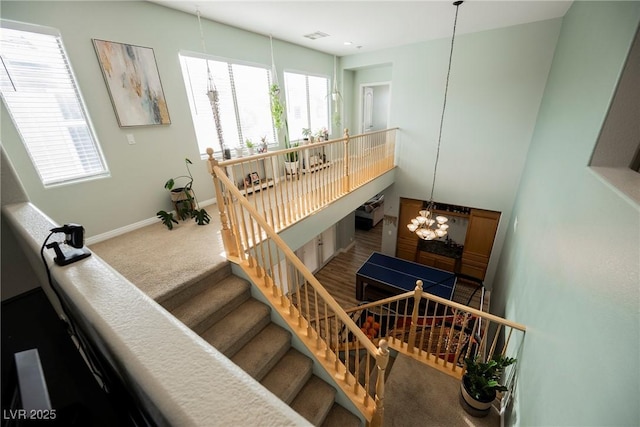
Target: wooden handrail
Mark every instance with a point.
(299, 265)
(251, 240)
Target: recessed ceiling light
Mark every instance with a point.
(348, 43)
(316, 35)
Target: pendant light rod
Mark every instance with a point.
(444, 105)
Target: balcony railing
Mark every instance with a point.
(285, 186)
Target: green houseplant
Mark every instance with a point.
(277, 112)
(184, 200)
(480, 383)
(249, 145)
(307, 134)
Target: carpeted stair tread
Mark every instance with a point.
(212, 304)
(180, 294)
(262, 353)
(340, 417)
(314, 401)
(233, 331)
(289, 375)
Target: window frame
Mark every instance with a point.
(84, 120)
(299, 136)
(273, 140)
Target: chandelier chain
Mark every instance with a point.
(444, 105)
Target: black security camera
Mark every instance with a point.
(74, 239)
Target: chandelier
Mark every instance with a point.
(427, 225)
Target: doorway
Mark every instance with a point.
(374, 106)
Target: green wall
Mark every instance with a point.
(497, 81)
(134, 192)
(570, 266)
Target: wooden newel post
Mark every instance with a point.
(228, 239)
(347, 185)
(382, 359)
(411, 343)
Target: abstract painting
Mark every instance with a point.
(132, 77)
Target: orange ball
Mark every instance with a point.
(372, 332)
(376, 326)
(366, 325)
(370, 319)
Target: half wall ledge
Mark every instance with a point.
(172, 373)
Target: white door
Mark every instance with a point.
(327, 242)
(367, 109)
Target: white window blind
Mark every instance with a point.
(244, 104)
(39, 90)
(307, 103)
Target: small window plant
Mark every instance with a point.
(185, 201)
(262, 148)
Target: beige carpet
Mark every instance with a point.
(417, 396)
(158, 260)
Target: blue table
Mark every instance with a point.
(395, 276)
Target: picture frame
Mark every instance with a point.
(133, 82)
(254, 178)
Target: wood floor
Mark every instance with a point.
(338, 276)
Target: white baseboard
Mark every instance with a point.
(348, 248)
(136, 225)
(119, 231)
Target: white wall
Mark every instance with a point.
(497, 81)
(570, 268)
(135, 192)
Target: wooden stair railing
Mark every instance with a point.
(439, 332)
(252, 243)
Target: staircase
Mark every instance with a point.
(221, 310)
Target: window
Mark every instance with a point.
(40, 92)
(244, 104)
(307, 103)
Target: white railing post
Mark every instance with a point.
(382, 359)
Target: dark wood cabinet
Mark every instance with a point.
(407, 242)
(437, 261)
(481, 233)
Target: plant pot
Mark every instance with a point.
(473, 406)
(226, 154)
(250, 150)
(291, 168)
(179, 194)
(239, 152)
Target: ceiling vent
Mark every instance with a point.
(316, 35)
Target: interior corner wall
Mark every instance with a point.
(17, 275)
(134, 191)
(570, 267)
(497, 81)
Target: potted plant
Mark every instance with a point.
(306, 132)
(262, 148)
(240, 149)
(323, 134)
(184, 200)
(250, 146)
(291, 161)
(480, 383)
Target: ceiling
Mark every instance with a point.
(368, 24)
